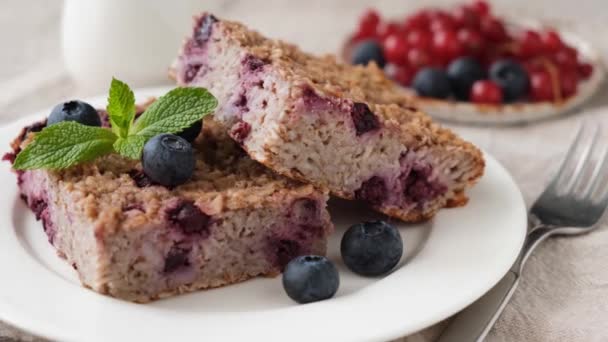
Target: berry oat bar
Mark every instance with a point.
(339, 127)
(138, 241)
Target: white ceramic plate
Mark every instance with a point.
(516, 113)
(449, 262)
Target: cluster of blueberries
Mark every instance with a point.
(464, 79)
(369, 249)
(167, 159)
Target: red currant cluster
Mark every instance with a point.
(435, 38)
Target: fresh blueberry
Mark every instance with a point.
(192, 132)
(511, 77)
(371, 248)
(367, 51)
(432, 82)
(310, 278)
(78, 111)
(168, 160)
(462, 73)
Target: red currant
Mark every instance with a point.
(566, 57)
(442, 23)
(403, 75)
(532, 66)
(386, 29)
(493, 29)
(368, 22)
(395, 49)
(421, 39)
(446, 46)
(530, 44)
(418, 58)
(481, 7)
(552, 42)
(568, 80)
(420, 20)
(471, 40)
(541, 86)
(465, 16)
(585, 70)
(485, 91)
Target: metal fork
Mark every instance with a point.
(572, 204)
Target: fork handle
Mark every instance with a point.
(474, 322)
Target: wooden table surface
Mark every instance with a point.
(32, 77)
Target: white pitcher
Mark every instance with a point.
(133, 40)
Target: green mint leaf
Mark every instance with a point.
(131, 146)
(174, 112)
(62, 145)
(121, 107)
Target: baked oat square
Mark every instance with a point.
(138, 241)
(340, 127)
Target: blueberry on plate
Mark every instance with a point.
(168, 160)
(367, 51)
(75, 110)
(511, 77)
(371, 248)
(310, 278)
(192, 132)
(432, 82)
(462, 73)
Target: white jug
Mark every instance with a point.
(133, 40)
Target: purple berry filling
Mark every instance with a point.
(363, 118)
(418, 187)
(204, 28)
(38, 206)
(314, 102)
(373, 190)
(241, 102)
(189, 219)
(253, 64)
(176, 258)
(140, 178)
(191, 72)
(282, 251)
(240, 131)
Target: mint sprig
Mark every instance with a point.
(65, 144)
(121, 107)
(62, 145)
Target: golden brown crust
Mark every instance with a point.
(367, 84)
(224, 179)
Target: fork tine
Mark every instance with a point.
(583, 161)
(569, 155)
(599, 174)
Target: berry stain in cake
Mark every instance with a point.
(240, 131)
(140, 178)
(373, 190)
(189, 219)
(253, 64)
(364, 119)
(176, 259)
(204, 29)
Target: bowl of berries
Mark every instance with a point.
(466, 64)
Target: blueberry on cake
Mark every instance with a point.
(131, 238)
(339, 127)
